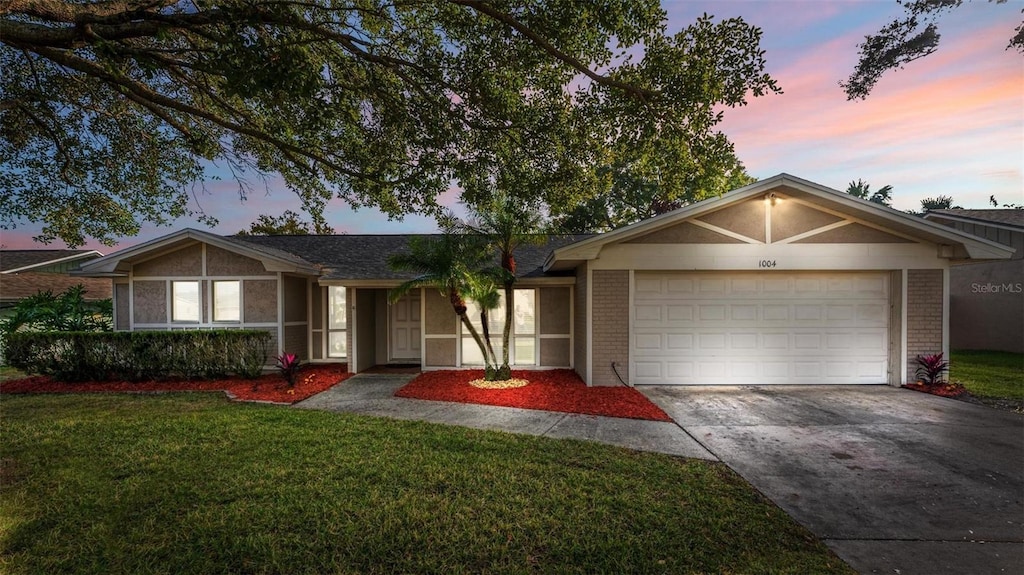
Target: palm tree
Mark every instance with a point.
(862, 190)
(507, 224)
(451, 263)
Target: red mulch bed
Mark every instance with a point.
(554, 390)
(953, 390)
(270, 387)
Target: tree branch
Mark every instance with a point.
(485, 8)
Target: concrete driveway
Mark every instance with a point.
(894, 481)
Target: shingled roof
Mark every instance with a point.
(17, 259)
(1006, 217)
(365, 257)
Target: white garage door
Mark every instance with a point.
(759, 328)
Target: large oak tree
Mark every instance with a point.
(911, 37)
(112, 113)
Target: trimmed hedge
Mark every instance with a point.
(139, 355)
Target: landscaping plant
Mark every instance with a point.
(288, 364)
(931, 368)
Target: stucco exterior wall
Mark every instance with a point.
(295, 299)
(439, 352)
(150, 301)
(610, 310)
(555, 313)
(295, 341)
(438, 317)
(555, 320)
(121, 307)
(746, 219)
(554, 352)
(187, 261)
(366, 330)
(924, 316)
(220, 262)
(790, 219)
(259, 299)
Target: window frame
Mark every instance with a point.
(214, 297)
(466, 338)
(330, 330)
(173, 299)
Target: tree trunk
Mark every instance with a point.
(506, 332)
(476, 338)
(491, 357)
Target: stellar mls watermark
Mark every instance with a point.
(997, 288)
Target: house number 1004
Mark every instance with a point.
(766, 264)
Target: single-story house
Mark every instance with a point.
(783, 281)
(24, 273)
(986, 299)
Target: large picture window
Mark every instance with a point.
(185, 301)
(524, 330)
(227, 301)
(337, 322)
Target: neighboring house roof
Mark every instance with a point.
(27, 272)
(1009, 218)
(365, 257)
(13, 261)
(961, 245)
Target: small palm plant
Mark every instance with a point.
(931, 368)
(288, 364)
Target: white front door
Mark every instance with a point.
(405, 327)
(742, 328)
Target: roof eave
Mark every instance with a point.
(107, 266)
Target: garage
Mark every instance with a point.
(780, 282)
(736, 328)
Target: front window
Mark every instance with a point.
(523, 336)
(185, 301)
(337, 322)
(227, 300)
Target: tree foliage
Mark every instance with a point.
(629, 198)
(939, 203)
(67, 311)
(506, 224)
(456, 265)
(288, 223)
(904, 40)
(862, 190)
(114, 113)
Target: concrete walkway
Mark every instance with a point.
(373, 394)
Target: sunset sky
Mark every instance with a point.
(949, 124)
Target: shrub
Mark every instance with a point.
(930, 368)
(67, 312)
(288, 364)
(139, 355)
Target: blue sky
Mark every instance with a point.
(950, 124)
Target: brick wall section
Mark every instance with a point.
(610, 314)
(579, 318)
(924, 316)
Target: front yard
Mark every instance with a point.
(992, 377)
(191, 483)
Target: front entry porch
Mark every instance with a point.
(384, 334)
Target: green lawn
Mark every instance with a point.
(7, 372)
(190, 483)
(989, 374)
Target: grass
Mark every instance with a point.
(989, 374)
(8, 373)
(189, 483)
